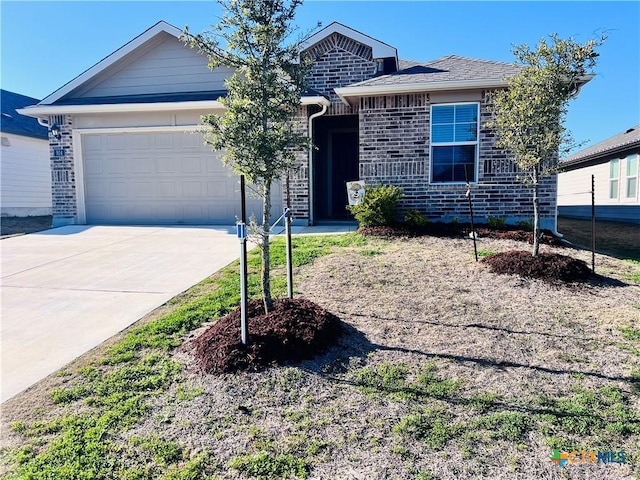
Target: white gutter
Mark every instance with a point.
(325, 104)
(43, 111)
(46, 110)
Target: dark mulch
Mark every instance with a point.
(455, 230)
(295, 330)
(550, 267)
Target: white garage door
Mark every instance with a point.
(161, 178)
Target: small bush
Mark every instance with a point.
(496, 222)
(414, 218)
(526, 225)
(378, 207)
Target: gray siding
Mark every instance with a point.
(166, 65)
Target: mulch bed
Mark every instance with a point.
(456, 230)
(295, 330)
(550, 267)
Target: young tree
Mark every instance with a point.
(256, 131)
(528, 117)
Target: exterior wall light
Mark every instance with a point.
(55, 131)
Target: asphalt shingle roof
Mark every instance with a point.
(449, 68)
(14, 123)
(627, 139)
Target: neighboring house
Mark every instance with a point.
(25, 170)
(615, 164)
(127, 154)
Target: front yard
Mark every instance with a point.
(445, 371)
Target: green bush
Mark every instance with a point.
(378, 207)
(526, 225)
(414, 218)
(496, 222)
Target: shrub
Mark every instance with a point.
(378, 207)
(496, 222)
(526, 225)
(414, 218)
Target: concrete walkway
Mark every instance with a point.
(66, 290)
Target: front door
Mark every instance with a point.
(336, 163)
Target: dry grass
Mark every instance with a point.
(446, 372)
(612, 238)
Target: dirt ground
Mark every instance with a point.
(421, 303)
(11, 226)
(613, 238)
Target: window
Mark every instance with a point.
(632, 176)
(614, 173)
(454, 142)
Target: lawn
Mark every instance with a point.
(621, 240)
(445, 371)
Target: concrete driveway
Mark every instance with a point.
(66, 290)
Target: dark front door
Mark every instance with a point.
(336, 163)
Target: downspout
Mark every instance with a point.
(325, 104)
(43, 123)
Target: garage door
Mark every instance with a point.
(161, 178)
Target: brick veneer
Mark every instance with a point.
(63, 177)
(339, 61)
(394, 149)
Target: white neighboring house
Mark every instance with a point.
(615, 163)
(25, 168)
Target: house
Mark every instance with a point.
(614, 164)
(25, 173)
(127, 152)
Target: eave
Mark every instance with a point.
(346, 93)
(44, 111)
(598, 157)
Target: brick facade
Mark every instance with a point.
(394, 148)
(339, 61)
(299, 175)
(63, 176)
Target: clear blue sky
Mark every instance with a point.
(46, 44)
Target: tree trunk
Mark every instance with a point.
(536, 213)
(266, 220)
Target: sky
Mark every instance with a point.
(45, 44)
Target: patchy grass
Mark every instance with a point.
(634, 276)
(486, 253)
(446, 371)
(113, 392)
(612, 238)
(268, 466)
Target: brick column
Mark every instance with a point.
(63, 179)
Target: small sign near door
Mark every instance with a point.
(355, 192)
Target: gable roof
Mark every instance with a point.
(144, 37)
(380, 49)
(12, 122)
(452, 72)
(619, 143)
